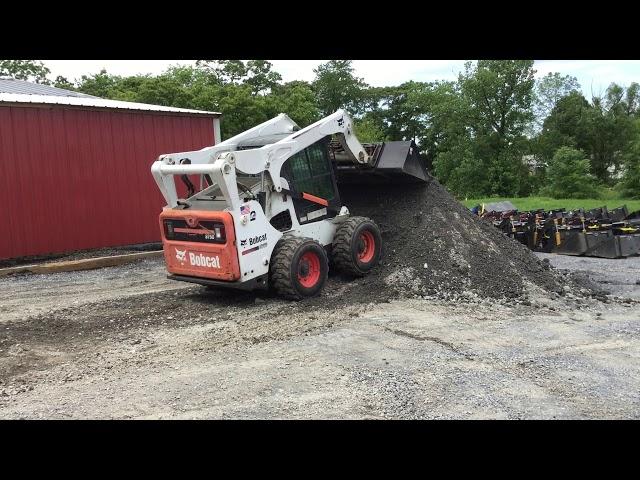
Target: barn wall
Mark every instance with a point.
(73, 179)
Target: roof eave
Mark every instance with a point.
(98, 103)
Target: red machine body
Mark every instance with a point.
(200, 244)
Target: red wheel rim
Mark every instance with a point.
(309, 269)
(366, 246)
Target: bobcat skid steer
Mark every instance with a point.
(268, 212)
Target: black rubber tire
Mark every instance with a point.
(285, 260)
(345, 246)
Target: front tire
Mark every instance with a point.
(357, 246)
(299, 268)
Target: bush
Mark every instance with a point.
(568, 176)
(460, 171)
(368, 131)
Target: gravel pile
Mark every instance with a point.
(435, 247)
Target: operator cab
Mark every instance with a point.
(309, 171)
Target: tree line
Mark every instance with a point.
(496, 130)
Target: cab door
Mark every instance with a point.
(310, 171)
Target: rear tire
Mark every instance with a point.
(357, 246)
(299, 268)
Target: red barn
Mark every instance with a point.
(75, 169)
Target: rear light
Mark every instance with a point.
(205, 231)
(168, 229)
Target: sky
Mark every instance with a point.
(593, 75)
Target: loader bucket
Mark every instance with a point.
(627, 245)
(391, 162)
(619, 214)
(600, 213)
(572, 243)
(602, 244)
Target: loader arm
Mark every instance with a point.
(270, 158)
(218, 160)
(202, 161)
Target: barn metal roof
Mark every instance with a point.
(18, 91)
(11, 85)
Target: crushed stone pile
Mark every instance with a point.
(435, 247)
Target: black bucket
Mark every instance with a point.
(602, 244)
(392, 162)
(572, 242)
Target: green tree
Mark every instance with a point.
(567, 125)
(610, 127)
(185, 87)
(241, 109)
(441, 113)
(368, 130)
(261, 78)
(630, 184)
(100, 84)
(407, 111)
(336, 86)
(225, 71)
(30, 70)
(257, 74)
(632, 100)
(296, 99)
(602, 129)
(548, 91)
(461, 170)
(499, 95)
(568, 176)
(62, 82)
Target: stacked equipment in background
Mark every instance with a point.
(594, 233)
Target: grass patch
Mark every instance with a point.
(534, 203)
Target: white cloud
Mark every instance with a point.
(296, 69)
(381, 73)
(594, 76)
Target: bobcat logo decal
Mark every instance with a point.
(181, 255)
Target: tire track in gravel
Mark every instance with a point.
(26, 295)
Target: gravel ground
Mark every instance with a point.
(25, 295)
(620, 276)
(124, 342)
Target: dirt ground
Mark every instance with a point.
(125, 342)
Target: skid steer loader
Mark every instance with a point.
(268, 211)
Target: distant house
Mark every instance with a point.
(76, 168)
(533, 162)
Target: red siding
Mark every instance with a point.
(74, 179)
